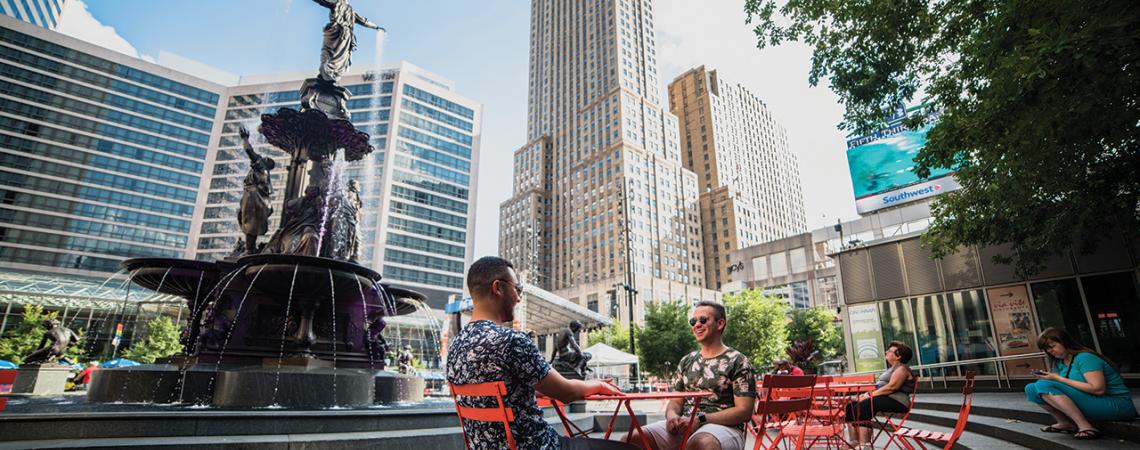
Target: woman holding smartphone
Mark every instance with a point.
(1082, 387)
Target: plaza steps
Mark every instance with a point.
(1007, 417)
(405, 431)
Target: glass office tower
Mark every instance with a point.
(43, 13)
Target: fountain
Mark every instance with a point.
(294, 321)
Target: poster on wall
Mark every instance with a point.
(866, 337)
(1016, 330)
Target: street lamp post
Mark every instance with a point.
(630, 290)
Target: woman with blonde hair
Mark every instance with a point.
(1083, 386)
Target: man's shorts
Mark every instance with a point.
(730, 438)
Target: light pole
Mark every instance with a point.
(630, 290)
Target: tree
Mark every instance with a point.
(162, 340)
(1038, 105)
(818, 325)
(24, 338)
(757, 326)
(616, 336)
(802, 354)
(665, 339)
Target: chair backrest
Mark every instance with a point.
(501, 414)
(7, 379)
(964, 411)
(913, 396)
(786, 394)
(854, 379)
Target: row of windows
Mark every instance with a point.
(439, 102)
(424, 198)
(425, 245)
(52, 259)
(102, 162)
(85, 227)
(425, 229)
(123, 87)
(432, 170)
(435, 157)
(103, 65)
(429, 184)
(370, 103)
(437, 115)
(429, 215)
(454, 149)
(95, 194)
(99, 145)
(90, 110)
(431, 127)
(369, 89)
(416, 276)
(209, 243)
(26, 200)
(91, 126)
(42, 167)
(101, 97)
(418, 260)
(219, 227)
(82, 244)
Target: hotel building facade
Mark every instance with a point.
(749, 180)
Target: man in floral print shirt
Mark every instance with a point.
(485, 351)
(716, 368)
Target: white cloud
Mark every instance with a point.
(714, 33)
(76, 21)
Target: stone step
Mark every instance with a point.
(1026, 434)
(1026, 412)
(429, 438)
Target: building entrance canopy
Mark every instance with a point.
(542, 312)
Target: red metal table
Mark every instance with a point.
(625, 399)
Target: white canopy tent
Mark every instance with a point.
(608, 362)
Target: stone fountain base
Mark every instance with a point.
(254, 386)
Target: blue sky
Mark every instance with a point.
(482, 46)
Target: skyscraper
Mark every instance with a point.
(599, 189)
(749, 180)
(101, 154)
(44, 13)
(417, 188)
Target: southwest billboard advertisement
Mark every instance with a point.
(882, 166)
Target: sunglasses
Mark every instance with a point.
(701, 319)
(518, 286)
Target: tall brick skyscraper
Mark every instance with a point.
(749, 179)
(597, 137)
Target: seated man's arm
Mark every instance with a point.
(559, 388)
(739, 413)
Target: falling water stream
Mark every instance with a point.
(284, 330)
(230, 332)
(130, 369)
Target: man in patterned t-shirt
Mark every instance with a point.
(484, 351)
(716, 368)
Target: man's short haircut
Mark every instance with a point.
(485, 271)
(717, 308)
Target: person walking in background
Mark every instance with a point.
(892, 395)
(83, 378)
(1082, 386)
(484, 351)
(716, 368)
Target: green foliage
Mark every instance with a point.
(24, 337)
(757, 326)
(817, 324)
(1039, 103)
(616, 336)
(161, 341)
(78, 351)
(665, 339)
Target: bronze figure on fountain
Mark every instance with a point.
(60, 337)
(253, 216)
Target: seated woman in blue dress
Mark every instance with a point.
(1082, 387)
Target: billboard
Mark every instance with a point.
(882, 166)
(867, 337)
(1016, 330)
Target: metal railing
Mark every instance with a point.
(1000, 371)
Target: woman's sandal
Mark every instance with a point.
(1088, 434)
(1053, 429)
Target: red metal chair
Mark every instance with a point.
(888, 424)
(7, 379)
(786, 399)
(501, 414)
(544, 401)
(827, 427)
(918, 436)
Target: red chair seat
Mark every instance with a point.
(814, 430)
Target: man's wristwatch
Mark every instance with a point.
(702, 419)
